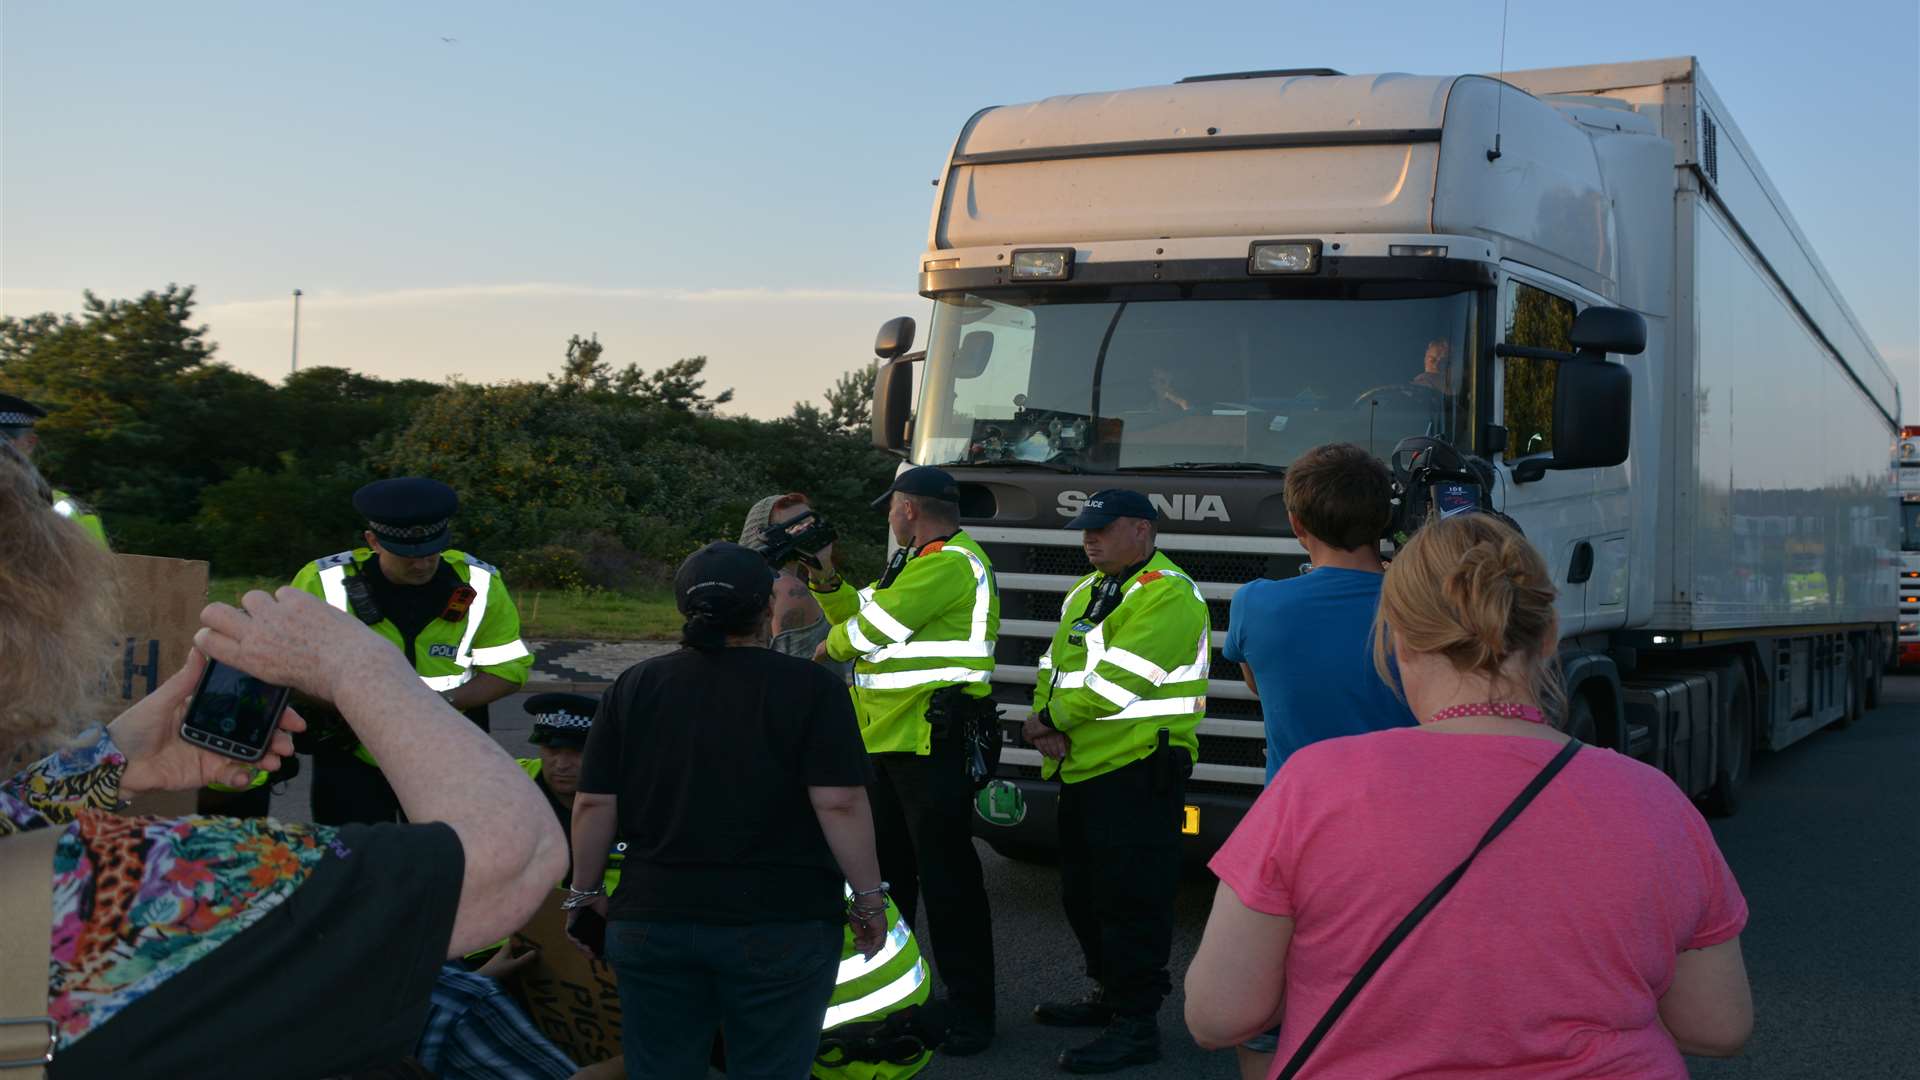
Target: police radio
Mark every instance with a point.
(1432, 480)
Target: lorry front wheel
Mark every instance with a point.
(1736, 750)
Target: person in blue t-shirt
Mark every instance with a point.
(1305, 645)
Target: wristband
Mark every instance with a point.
(877, 890)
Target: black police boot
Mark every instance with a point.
(1128, 1040)
(1090, 1011)
(968, 1032)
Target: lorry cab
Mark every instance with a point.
(1182, 288)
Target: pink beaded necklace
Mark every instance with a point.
(1505, 709)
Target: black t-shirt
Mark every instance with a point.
(411, 608)
(711, 752)
(337, 977)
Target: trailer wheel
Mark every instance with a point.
(1876, 671)
(1735, 751)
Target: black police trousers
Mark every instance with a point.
(1119, 872)
(348, 791)
(923, 830)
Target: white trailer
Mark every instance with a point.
(1180, 288)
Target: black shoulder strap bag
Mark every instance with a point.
(1400, 932)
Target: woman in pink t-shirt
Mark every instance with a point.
(1597, 936)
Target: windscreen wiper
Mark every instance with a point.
(1212, 466)
(1017, 463)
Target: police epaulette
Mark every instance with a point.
(338, 558)
(1151, 575)
(484, 565)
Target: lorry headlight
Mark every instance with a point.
(1283, 257)
(1043, 264)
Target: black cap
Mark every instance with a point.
(409, 514)
(923, 480)
(1103, 508)
(561, 720)
(723, 580)
(19, 412)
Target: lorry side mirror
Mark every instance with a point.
(976, 347)
(1609, 330)
(895, 337)
(1592, 414)
(893, 399)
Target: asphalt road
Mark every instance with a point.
(1826, 847)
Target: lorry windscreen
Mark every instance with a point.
(1144, 376)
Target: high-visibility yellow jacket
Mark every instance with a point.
(1113, 687)
(448, 651)
(933, 627)
(869, 990)
(69, 507)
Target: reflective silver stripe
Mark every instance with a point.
(858, 638)
(65, 508)
(1070, 680)
(1046, 659)
(883, 622)
(856, 966)
(902, 680)
(893, 993)
(333, 584)
(1121, 697)
(982, 592)
(1073, 592)
(923, 649)
(1180, 706)
(500, 654)
(443, 683)
(1134, 663)
(481, 581)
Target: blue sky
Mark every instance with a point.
(743, 180)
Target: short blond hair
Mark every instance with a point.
(1472, 589)
(57, 617)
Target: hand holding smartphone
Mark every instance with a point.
(232, 713)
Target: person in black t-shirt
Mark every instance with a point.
(738, 778)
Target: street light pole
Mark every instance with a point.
(296, 331)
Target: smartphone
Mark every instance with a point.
(590, 929)
(233, 713)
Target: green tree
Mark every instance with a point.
(583, 369)
(850, 401)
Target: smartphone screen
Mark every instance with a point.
(233, 713)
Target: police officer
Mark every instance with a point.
(446, 610)
(1120, 694)
(560, 726)
(17, 417)
(922, 640)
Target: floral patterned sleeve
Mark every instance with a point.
(53, 790)
(137, 900)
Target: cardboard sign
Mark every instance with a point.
(160, 602)
(572, 1000)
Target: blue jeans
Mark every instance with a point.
(766, 986)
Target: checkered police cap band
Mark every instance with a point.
(409, 532)
(17, 419)
(565, 721)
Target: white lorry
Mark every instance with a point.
(1180, 288)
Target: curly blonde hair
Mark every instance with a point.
(58, 610)
(1472, 589)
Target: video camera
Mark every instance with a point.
(1432, 479)
(800, 539)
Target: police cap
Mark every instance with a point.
(925, 481)
(1103, 508)
(561, 720)
(408, 514)
(19, 412)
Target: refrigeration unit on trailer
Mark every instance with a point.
(1580, 276)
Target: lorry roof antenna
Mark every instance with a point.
(1275, 73)
(1494, 154)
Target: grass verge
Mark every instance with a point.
(548, 614)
